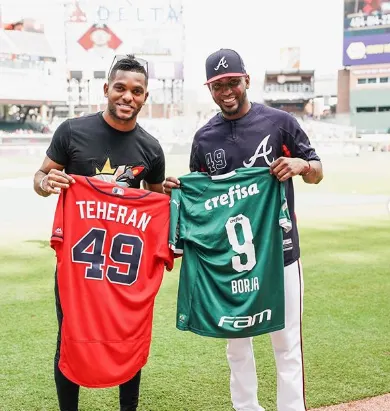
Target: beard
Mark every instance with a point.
(112, 109)
(234, 111)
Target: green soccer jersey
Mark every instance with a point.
(229, 228)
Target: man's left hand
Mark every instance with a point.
(284, 168)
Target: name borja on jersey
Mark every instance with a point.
(246, 285)
(235, 193)
(113, 212)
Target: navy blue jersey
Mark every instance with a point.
(255, 140)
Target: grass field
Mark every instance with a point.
(345, 253)
(367, 174)
(346, 332)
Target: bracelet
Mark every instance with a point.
(41, 185)
(308, 170)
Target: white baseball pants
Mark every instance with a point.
(287, 346)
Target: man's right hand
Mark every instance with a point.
(169, 184)
(56, 180)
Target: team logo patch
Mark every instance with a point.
(222, 63)
(286, 151)
(118, 191)
(182, 318)
(262, 151)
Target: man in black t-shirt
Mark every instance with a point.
(111, 146)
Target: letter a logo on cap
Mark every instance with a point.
(222, 63)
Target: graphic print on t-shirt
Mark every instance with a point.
(125, 175)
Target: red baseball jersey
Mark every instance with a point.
(111, 246)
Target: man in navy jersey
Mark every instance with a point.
(246, 134)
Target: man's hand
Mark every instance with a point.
(56, 180)
(284, 167)
(169, 184)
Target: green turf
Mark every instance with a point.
(346, 332)
(343, 174)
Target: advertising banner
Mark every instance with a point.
(366, 32)
(368, 49)
(96, 30)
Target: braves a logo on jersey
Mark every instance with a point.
(262, 151)
(217, 160)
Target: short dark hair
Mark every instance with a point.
(128, 64)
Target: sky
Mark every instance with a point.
(257, 29)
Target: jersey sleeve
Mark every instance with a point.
(157, 173)
(57, 235)
(175, 242)
(296, 141)
(284, 214)
(165, 252)
(58, 150)
(195, 164)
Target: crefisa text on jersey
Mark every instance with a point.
(235, 193)
(113, 212)
(246, 285)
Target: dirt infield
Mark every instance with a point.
(380, 403)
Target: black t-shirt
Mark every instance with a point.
(255, 140)
(89, 146)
